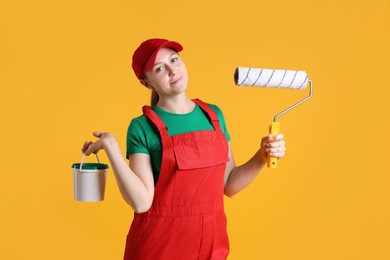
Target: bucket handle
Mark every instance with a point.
(82, 160)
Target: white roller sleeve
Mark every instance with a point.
(270, 78)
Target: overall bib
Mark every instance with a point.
(187, 219)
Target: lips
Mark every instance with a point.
(175, 80)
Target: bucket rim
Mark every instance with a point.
(90, 166)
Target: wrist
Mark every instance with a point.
(109, 142)
(263, 155)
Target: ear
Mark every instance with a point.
(145, 83)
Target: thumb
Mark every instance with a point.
(97, 134)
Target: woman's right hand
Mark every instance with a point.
(94, 147)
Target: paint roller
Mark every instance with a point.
(272, 78)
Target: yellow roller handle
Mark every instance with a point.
(274, 129)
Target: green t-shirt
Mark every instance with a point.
(143, 137)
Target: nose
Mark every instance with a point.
(171, 70)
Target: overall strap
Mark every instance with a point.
(159, 124)
(210, 112)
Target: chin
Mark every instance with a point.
(181, 89)
(181, 85)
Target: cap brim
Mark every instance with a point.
(169, 44)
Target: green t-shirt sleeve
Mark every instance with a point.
(222, 121)
(136, 138)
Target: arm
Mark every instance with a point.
(239, 177)
(135, 181)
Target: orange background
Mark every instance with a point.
(65, 72)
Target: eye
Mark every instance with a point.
(159, 69)
(174, 59)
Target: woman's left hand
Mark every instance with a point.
(273, 146)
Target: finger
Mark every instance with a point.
(89, 150)
(279, 137)
(280, 143)
(85, 146)
(277, 152)
(277, 155)
(97, 134)
(264, 141)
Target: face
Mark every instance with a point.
(169, 74)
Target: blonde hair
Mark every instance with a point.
(154, 98)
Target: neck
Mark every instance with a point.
(179, 104)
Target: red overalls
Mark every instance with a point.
(187, 218)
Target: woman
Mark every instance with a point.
(180, 164)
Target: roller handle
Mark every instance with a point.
(274, 129)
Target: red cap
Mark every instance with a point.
(145, 55)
